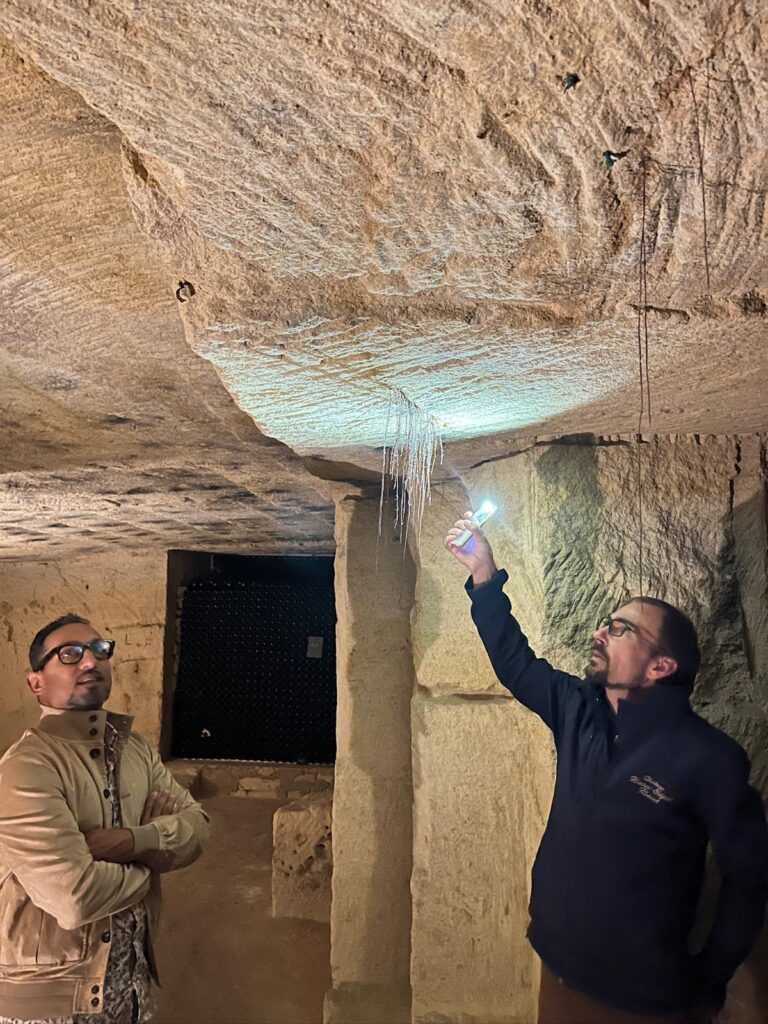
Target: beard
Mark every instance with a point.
(84, 697)
(90, 698)
(597, 668)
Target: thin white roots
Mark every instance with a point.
(408, 457)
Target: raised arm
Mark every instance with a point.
(46, 851)
(531, 680)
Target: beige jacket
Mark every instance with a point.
(55, 900)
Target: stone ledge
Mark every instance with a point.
(351, 1003)
(189, 776)
(302, 858)
(253, 779)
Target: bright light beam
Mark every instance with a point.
(482, 515)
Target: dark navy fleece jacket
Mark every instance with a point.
(638, 795)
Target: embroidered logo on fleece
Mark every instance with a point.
(651, 789)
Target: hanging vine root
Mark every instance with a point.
(408, 459)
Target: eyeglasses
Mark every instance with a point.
(618, 627)
(72, 654)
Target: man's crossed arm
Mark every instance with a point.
(117, 845)
(172, 832)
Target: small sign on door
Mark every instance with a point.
(314, 647)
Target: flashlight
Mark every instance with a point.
(482, 515)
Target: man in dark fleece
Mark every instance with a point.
(642, 785)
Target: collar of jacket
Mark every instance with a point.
(657, 706)
(80, 725)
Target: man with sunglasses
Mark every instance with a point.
(89, 818)
(642, 785)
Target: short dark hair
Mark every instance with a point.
(679, 640)
(37, 646)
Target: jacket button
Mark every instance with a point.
(95, 1001)
(94, 732)
(95, 989)
(93, 718)
(106, 936)
(107, 793)
(95, 752)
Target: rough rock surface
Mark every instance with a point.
(223, 778)
(255, 786)
(283, 782)
(114, 432)
(369, 198)
(475, 784)
(302, 858)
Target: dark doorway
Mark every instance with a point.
(254, 666)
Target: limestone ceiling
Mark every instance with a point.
(372, 199)
(114, 432)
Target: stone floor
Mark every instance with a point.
(223, 958)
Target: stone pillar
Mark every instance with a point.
(482, 776)
(373, 795)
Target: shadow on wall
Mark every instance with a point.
(570, 501)
(431, 612)
(435, 567)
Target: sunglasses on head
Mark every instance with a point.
(72, 653)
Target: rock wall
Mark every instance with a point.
(567, 532)
(122, 593)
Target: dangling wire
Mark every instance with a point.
(643, 354)
(640, 508)
(700, 151)
(643, 346)
(644, 279)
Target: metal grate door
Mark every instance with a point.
(256, 673)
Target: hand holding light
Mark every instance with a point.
(478, 518)
(469, 546)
